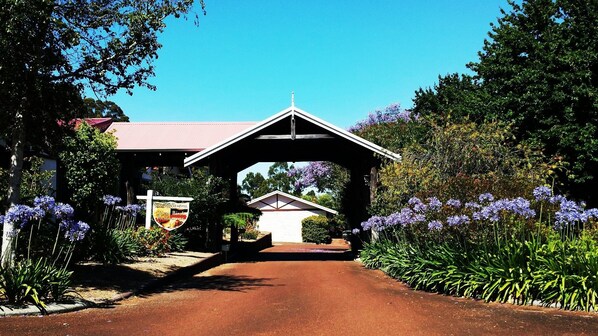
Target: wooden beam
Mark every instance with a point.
(291, 137)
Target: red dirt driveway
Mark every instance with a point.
(301, 290)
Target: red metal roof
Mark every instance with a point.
(100, 123)
(173, 136)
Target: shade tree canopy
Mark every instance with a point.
(538, 70)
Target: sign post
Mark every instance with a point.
(169, 215)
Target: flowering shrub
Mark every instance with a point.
(118, 238)
(507, 249)
(459, 161)
(39, 273)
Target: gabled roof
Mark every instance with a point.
(100, 123)
(294, 198)
(173, 136)
(291, 111)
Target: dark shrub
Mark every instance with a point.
(314, 229)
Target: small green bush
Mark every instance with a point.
(113, 246)
(314, 229)
(250, 234)
(34, 282)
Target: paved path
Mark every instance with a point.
(301, 290)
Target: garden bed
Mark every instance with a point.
(101, 283)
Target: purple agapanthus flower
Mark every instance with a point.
(590, 213)
(472, 205)
(111, 200)
(435, 225)
(63, 211)
(557, 199)
(568, 214)
(130, 209)
(455, 203)
(457, 220)
(434, 204)
(355, 231)
(486, 197)
(375, 223)
(45, 203)
(417, 205)
(19, 215)
(76, 231)
(542, 193)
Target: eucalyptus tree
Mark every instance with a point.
(52, 50)
(540, 66)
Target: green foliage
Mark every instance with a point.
(34, 282)
(53, 50)
(255, 185)
(460, 161)
(557, 272)
(314, 229)
(35, 181)
(542, 62)
(202, 227)
(250, 234)
(240, 220)
(453, 99)
(111, 246)
(103, 109)
(90, 166)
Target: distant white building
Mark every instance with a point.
(282, 215)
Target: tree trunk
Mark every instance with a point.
(14, 182)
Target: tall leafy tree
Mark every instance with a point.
(540, 66)
(455, 98)
(255, 185)
(50, 50)
(280, 179)
(95, 108)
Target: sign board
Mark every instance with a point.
(170, 215)
(170, 212)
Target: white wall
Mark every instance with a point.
(285, 225)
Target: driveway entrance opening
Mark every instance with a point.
(295, 135)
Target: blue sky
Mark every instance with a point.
(343, 59)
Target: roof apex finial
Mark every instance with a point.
(292, 98)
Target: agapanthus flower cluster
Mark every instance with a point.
(111, 200)
(488, 209)
(374, 223)
(355, 231)
(454, 203)
(20, 215)
(131, 209)
(47, 203)
(570, 213)
(434, 204)
(76, 230)
(486, 197)
(63, 211)
(435, 225)
(417, 205)
(493, 211)
(457, 220)
(542, 193)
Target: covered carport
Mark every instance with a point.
(294, 135)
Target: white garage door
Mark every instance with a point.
(284, 225)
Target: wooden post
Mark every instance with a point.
(148, 209)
